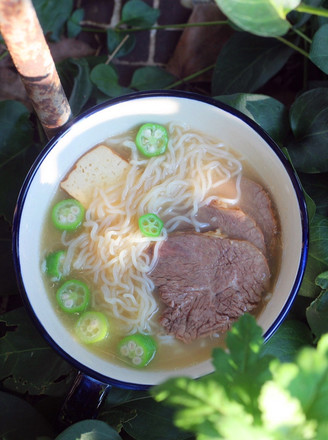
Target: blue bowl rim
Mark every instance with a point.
(111, 102)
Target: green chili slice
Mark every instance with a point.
(137, 349)
(92, 327)
(67, 215)
(54, 265)
(73, 296)
(150, 225)
(152, 139)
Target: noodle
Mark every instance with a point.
(112, 250)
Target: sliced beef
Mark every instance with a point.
(232, 222)
(256, 202)
(207, 282)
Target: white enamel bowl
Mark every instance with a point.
(115, 117)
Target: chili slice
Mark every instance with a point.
(67, 215)
(137, 349)
(150, 225)
(152, 139)
(54, 265)
(92, 327)
(73, 296)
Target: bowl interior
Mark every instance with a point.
(121, 115)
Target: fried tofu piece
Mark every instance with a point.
(99, 167)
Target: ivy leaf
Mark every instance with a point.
(7, 273)
(89, 430)
(82, 86)
(316, 314)
(151, 77)
(308, 119)
(246, 62)
(19, 420)
(260, 17)
(318, 53)
(316, 186)
(123, 40)
(152, 420)
(287, 340)
(268, 112)
(73, 24)
(16, 129)
(16, 152)
(105, 78)
(138, 13)
(317, 255)
(23, 356)
(322, 280)
(52, 15)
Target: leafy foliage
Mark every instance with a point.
(273, 68)
(246, 62)
(268, 112)
(248, 15)
(251, 394)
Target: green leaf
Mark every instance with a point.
(260, 17)
(246, 367)
(309, 384)
(7, 274)
(283, 413)
(52, 15)
(316, 186)
(19, 420)
(268, 112)
(24, 355)
(82, 86)
(138, 13)
(16, 129)
(246, 62)
(151, 77)
(105, 78)
(16, 154)
(73, 24)
(308, 119)
(152, 421)
(310, 204)
(200, 403)
(224, 403)
(322, 280)
(120, 43)
(317, 255)
(89, 430)
(318, 50)
(316, 313)
(298, 19)
(287, 340)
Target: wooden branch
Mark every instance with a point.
(29, 50)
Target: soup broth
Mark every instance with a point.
(115, 265)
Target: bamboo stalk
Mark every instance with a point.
(23, 35)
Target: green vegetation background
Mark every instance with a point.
(260, 391)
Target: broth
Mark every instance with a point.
(171, 353)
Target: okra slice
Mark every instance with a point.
(92, 327)
(150, 225)
(152, 139)
(67, 215)
(54, 263)
(73, 296)
(137, 349)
